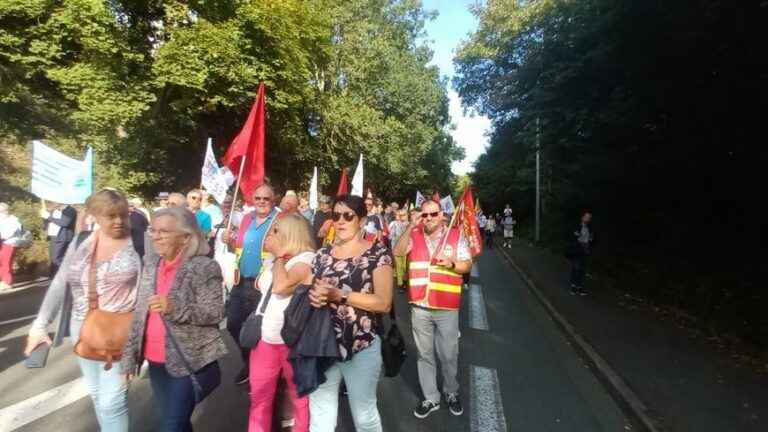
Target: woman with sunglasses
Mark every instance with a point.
(354, 278)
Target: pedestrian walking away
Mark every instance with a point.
(176, 323)
(102, 269)
(353, 278)
(438, 257)
(396, 229)
(579, 249)
(508, 223)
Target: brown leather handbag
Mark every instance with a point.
(103, 334)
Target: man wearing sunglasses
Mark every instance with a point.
(248, 244)
(194, 204)
(437, 257)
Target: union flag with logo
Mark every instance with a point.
(466, 220)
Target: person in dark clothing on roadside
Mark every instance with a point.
(60, 226)
(580, 248)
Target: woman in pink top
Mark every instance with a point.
(290, 241)
(176, 323)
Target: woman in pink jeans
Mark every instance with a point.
(290, 242)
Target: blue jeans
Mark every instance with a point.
(108, 389)
(361, 375)
(175, 399)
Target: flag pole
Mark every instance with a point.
(445, 235)
(234, 195)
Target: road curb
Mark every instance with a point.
(617, 386)
(19, 287)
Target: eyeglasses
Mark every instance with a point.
(196, 198)
(160, 232)
(433, 214)
(348, 216)
(261, 198)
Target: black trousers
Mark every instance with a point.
(242, 301)
(56, 252)
(578, 270)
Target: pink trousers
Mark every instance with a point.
(267, 363)
(6, 263)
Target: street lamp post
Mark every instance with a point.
(537, 231)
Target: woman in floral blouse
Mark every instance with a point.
(354, 278)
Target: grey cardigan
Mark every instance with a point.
(197, 307)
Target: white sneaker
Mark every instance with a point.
(4, 287)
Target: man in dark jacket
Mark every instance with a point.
(579, 249)
(60, 226)
(139, 225)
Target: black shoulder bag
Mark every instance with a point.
(250, 333)
(393, 347)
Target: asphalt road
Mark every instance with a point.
(517, 373)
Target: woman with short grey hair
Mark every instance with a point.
(176, 323)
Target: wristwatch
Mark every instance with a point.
(344, 295)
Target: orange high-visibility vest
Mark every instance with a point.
(440, 286)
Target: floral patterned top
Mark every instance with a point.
(355, 328)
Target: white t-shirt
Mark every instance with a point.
(272, 323)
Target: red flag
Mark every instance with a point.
(436, 197)
(249, 144)
(343, 183)
(467, 220)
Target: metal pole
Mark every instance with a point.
(538, 184)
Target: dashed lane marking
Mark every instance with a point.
(478, 319)
(485, 401)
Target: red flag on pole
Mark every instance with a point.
(465, 219)
(436, 196)
(343, 183)
(247, 149)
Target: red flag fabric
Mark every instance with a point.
(249, 144)
(343, 183)
(465, 219)
(436, 197)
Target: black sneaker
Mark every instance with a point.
(454, 404)
(425, 408)
(574, 290)
(583, 292)
(242, 377)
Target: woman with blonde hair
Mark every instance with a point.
(290, 242)
(100, 273)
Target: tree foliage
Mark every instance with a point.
(147, 82)
(645, 112)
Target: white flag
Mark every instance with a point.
(419, 199)
(313, 201)
(213, 180)
(357, 179)
(59, 178)
(447, 205)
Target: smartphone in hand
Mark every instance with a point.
(38, 356)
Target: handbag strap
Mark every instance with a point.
(93, 296)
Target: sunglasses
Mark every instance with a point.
(433, 215)
(261, 198)
(196, 198)
(348, 216)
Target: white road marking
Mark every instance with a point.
(15, 320)
(487, 409)
(477, 316)
(24, 412)
(475, 270)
